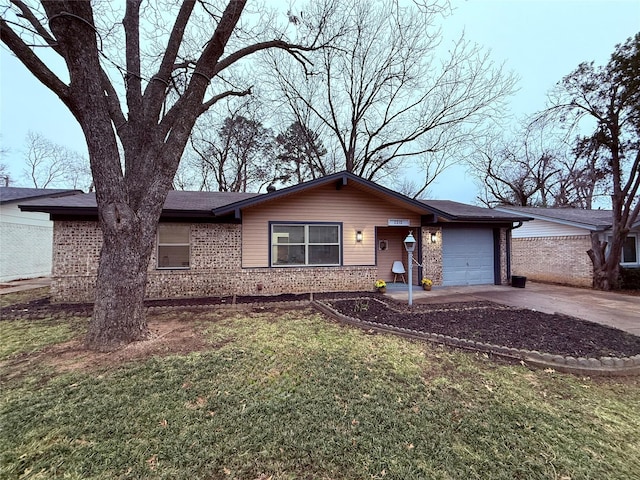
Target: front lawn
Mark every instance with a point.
(289, 394)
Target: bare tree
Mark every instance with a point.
(609, 98)
(384, 94)
(148, 102)
(48, 164)
(520, 168)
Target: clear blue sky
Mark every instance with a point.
(541, 41)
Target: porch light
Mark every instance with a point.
(410, 245)
(359, 236)
(433, 237)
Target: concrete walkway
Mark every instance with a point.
(608, 308)
(21, 285)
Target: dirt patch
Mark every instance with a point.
(168, 336)
(495, 324)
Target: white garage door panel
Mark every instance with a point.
(467, 256)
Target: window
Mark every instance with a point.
(630, 250)
(629, 255)
(312, 244)
(174, 247)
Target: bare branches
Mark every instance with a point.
(9, 37)
(378, 92)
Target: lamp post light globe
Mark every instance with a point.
(410, 242)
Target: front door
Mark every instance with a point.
(390, 248)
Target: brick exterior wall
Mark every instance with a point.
(553, 259)
(432, 255)
(215, 268)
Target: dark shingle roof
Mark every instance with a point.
(462, 211)
(598, 219)
(16, 194)
(222, 204)
(177, 202)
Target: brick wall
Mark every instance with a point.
(432, 255)
(215, 268)
(553, 259)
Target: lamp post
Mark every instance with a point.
(410, 245)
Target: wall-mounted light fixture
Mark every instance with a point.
(433, 237)
(359, 236)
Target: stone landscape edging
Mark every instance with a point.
(603, 366)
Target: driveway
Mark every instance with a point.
(608, 308)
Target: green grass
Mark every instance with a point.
(30, 336)
(291, 395)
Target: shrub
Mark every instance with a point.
(630, 278)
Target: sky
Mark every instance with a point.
(539, 40)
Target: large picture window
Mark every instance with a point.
(174, 246)
(309, 244)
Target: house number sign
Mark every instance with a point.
(398, 222)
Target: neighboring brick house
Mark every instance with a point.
(336, 233)
(553, 246)
(25, 237)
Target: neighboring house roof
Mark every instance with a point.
(225, 204)
(596, 220)
(17, 194)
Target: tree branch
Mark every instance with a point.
(33, 63)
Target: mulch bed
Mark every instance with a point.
(496, 324)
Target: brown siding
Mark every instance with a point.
(553, 259)
(355, 209)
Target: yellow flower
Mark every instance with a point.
(380, 283)
(427, 282)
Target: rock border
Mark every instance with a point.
(603, 366)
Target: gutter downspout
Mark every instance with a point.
(509, 230)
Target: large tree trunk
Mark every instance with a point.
(119, 312)
(606, 267)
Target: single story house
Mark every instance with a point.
(336, 233)
(553, 246)
(25, 237)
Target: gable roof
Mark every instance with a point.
(222, 205)
(442, 210)
(17, 194)
(577, 217)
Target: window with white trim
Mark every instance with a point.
(313, 244)
(174, 246)
(630, 250)
(629, 255)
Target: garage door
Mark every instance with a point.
(467, 256)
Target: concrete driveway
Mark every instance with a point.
(609, 308)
